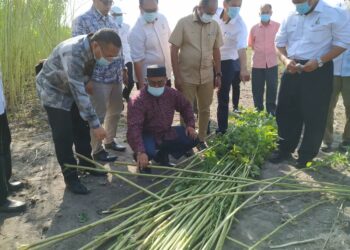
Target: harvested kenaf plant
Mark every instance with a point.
(198, 208)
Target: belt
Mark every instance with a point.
(302, 62)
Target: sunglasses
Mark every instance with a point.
(107, 2)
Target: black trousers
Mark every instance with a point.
(230, 78)
(5, 157)
(69, 129)
(303, 101)
(127, 89)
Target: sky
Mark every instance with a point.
(175, 9)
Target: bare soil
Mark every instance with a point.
(53, 210)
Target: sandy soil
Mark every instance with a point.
(52, 210)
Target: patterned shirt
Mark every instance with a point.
(90, 22)
(154, 115)
(61, 82)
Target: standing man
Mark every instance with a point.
(307, 42)
(61, 89)
(195, 51)
(341, 85)
(123, 31)
(150, 117)
(6, 205)
(265, 68)
(106, 85)
(233, 59)
(148, 41)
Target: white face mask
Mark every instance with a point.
(206, 18)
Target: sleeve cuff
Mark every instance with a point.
(94, 124)
(341, 44)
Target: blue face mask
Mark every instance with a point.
(150, 17)
(206, 18)
(155, 91)
(118, 20)
(265, 18)
(303, 8)
(102, 61)
(233, 12)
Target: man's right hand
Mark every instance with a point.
(142, 160)
(291, 66)
(89, 88)
(99, 133)
(179, 83)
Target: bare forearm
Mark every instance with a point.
(282, 54)
(335, 52)
(175, 60)
(242, 53)
(139, 73)
(217, 60)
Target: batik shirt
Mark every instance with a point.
(61, 82)
(90, 22)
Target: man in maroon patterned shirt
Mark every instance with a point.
(150, 116)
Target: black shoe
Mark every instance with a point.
(115, 146)
(104, 156)
(201, 146)
(163, 159)
(344, 147)
(96, 173)
(220, 132)
(279, 156)
(12, 206)
(302, 163)
(15, 186)
(189, 153)
(327, 148)
(76, 187)
(145, 170)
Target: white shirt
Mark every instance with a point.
(149, 43)
(2, 97)
(312, 36)
(123, 31)
(342, 65)
(235, 35)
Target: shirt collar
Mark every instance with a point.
(98, 14)
(195, 15)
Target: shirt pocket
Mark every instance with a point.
(318, 33)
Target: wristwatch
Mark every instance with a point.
(319, 62)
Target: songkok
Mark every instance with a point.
(156, 71)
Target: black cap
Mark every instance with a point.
(156, 71)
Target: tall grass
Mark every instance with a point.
(29, 30)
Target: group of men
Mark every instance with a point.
(81, 83)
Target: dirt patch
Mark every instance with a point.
(52, 210)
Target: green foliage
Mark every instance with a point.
(29, 30)
(336, 159)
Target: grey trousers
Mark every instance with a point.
(107, 100)
(259, 78)
(341, 85)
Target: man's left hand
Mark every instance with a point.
(217, 83)
(191, 132)
(310, 66)
(245, 76)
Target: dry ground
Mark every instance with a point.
(52, 210)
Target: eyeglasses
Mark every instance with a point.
(157, 83)
(107, 2)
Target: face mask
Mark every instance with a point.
(206, 18)
(303, 8)
(118, 20)
(150, 17)
(233, 12)
(102, 61)
(265, 18)
(155, 91)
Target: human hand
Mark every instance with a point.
(89, 88)
(179, 83)
(191, 132)
(310, 66)
(142, 160)
(217, 83)
(99, 133)
(291, 66)
(245, 75)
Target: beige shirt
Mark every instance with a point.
(196, 41)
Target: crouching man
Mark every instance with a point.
(61, 89)
(150, 116)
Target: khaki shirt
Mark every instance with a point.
(196, 41)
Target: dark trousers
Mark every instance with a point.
(303, 101)
(259, 78)
(230, 78)
(69, 129)
(177, 147)
(127, 89)
(5, 157)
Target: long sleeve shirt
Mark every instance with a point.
(311, 36)
(61, 82)
(2, 97)
(262, 41)
(90, 22)
(154, 115)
